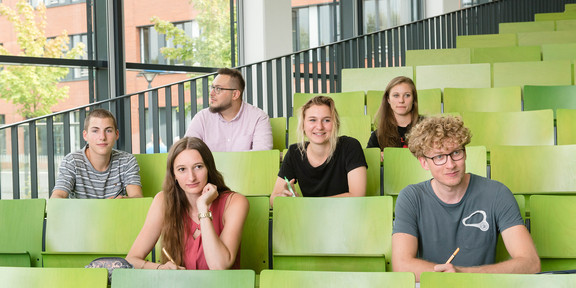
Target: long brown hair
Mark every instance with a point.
(387, 132)
(176, 205)
(333, 140)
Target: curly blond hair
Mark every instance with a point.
(437, 133)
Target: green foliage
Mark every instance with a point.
(34, 89)
(212, 47)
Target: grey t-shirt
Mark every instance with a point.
(473, 224)
(79, 179)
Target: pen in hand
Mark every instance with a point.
(168, 255)
(289, 187)
(453, 255)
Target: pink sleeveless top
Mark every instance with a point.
(194, 258)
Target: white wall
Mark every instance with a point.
(439, 7)
(265, 29)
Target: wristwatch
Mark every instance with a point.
(205, 215)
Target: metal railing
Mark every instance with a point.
(29, 162)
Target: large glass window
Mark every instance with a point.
(384, 14)
(468, 3)
(151, 43)
(315, 25)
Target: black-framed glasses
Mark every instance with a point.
(219, 89)
(441, 159)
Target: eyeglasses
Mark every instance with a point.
(441, 159)
(219, 89)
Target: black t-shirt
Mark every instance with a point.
(373, 141)
(328, 179)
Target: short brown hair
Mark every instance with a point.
(437, 133)
(236, 75)
(99, 113)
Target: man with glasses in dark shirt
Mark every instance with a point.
(456, 210)
(230, 124)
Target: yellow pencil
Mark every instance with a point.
(168, 255)
(447, 262)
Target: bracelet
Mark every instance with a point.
(142, 266)
(158, 266)
(205, 215)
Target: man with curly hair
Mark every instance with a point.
(456, 209)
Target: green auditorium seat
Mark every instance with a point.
(278, 132)
(532, 73)
(531, 26)
(372, 156)
(566, 51)
(21, 226)
(319, 279)
(438, 56)
(506, 54)
(565, 25)
(364, 79)
(510, 128)
(554, 16)
(142, 278)
(569, 8)
(486, 40)
(81, 230)
(254, 245)
(549, 97)
(259, 170)
(457, 75)
(332, 234)
(547, 37)
(152, 172)
(566, 126)
(347, 103)
(480, 280)
(401, 168)
(358, 127)
(553, 228)
(500, 99)
(20, 277)
(429, 102)
(529, 170)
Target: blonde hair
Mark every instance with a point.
(333, 140)
(437, 133)
(385, 120)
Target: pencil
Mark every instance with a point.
(447, 262)
(168, 255)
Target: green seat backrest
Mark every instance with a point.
(554, 16)
(566, 126)
(486, 40)
(152, 172)
(437, 56)
(80, 230)
(54, 277)
(552, 52)
(319, 279)
(429, 102)
(549, 97)
(506, 54)
(364, 79)
(500, 99)
(520, 27)
(142, 278)
(564, 25)
(510, 128)
(254, 245)
(553, 219)
(548, 37)
(457, 75)
(278, 133)
(543, 169)
(372, 156)
(21, 226)
(347, 103)
(478, 280)
(532, 73)
(358, 127)
(249, 172)
(401, 168)
(332, 234)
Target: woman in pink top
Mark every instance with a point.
(199, 219)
